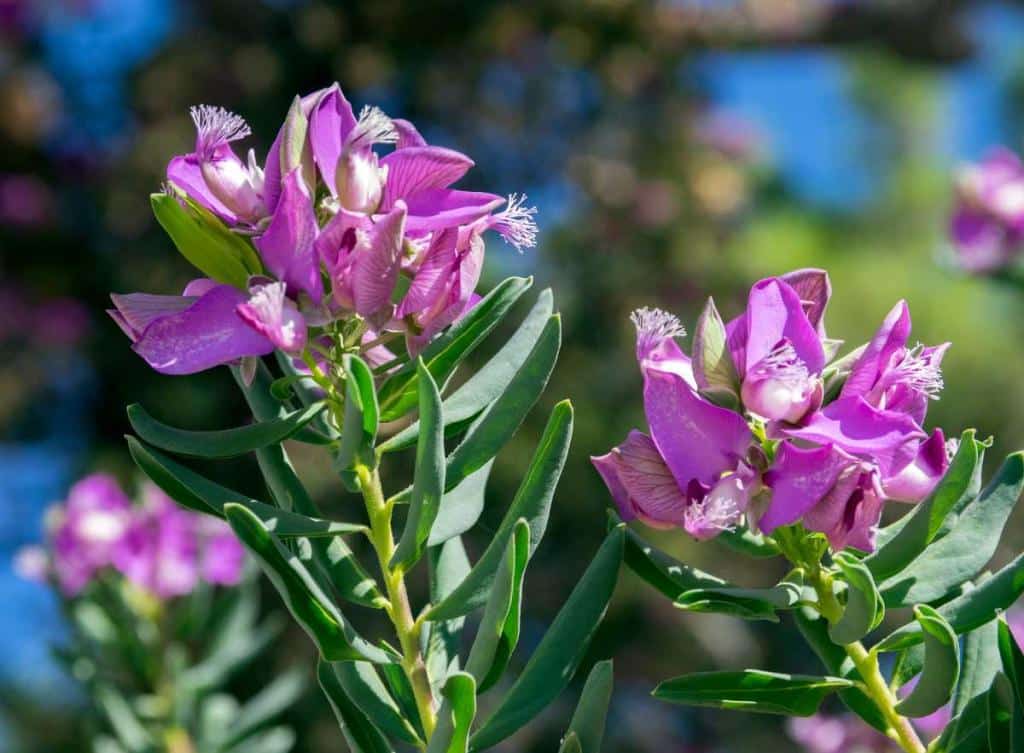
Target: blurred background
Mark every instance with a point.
(675, 149)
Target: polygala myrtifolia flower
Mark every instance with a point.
(758, 423)
(154, 544)
(987, 226)
(316, 240)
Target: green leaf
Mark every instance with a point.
(359, 424)
(130, 732)
(747, 603)
(588, 721)
(900, 543)
(205, 241)
(398, 393)
(456, 715)
(364, 687)
(360, 733)
(403, 694)
(503, 417)
(269, 703)
(1000, 698)
(665, 573)
(461, 507)
(748, 543)
(336, 639)
(498, 634)
(968, 731)
(226, 443)
(449, 566)
(1012, 659)
(532, 503)
(713, 359)
(489, 382)
(864, 609)
(195, 492)
(345, 573)
(963, 552)
(814, 629)
(751, 690)
(428, 484)
(560, 651)
(571, 744)
(980, 664)
(941, 665)
(971, 609)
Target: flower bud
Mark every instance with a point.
(782, 398)
(234, 186)
(360, 181)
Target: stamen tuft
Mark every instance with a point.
(782, 365)
(517, 223)
(373, 127)
(654, 326)
(920, 372)
(216, 126)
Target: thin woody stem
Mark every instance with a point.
(406, 627)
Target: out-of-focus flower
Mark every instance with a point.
(25, 201)
(987, 226)
(690, 472)
(156, 545)
(839, 733)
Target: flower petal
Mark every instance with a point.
(641, 484)
(274, 316)
(421, 168)
(185, 172)
(287, 245)
(698, 440)
(330, 122)
(891, 337)
(799, 478)
(814, 289)
(775, 313)
(377, 262)
(439, 208)
(918, 478)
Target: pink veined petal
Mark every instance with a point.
(799, 478)
(138, 310)
(891, 337)
(272, 164)
(330, 122)
(814, 290)
(185, 173)
(208, 333)
(408, 136)
(698, 440)
(377, 262)
(439, 208)
(276, 317)
(287, 245)
(421, 168)
(916, 480)
(641, 484)
(433, 275)
(775, 313)
(848, 514)
(854, 425)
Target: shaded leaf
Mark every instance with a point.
(941, 665)
(751, 690)
(456, 715)
(360, 733)
(588, 721)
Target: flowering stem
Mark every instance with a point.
(866, 662)
(407, 628)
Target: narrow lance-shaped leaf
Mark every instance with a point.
(667, 574)
(1012, 659)
(864, 608)
(979, 665)
(571, 744)
(531, 503)
(941, 665)
(461, 508)
(398, 393)
(506, 414)
(428, 484)
(360, 733)
(560, 651)
(748, 543)
(900, 543)
(499, 629)
(205, 241)
(195, 492)
(449, 566)
(963, 552)
(751, 690)
(456, 715)
(270, 702)
(364, 687)
(588, 721)
(746, 603)
(333, 635)
(489, 381)
(359, 424)
(225, 443)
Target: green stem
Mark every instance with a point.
(407, 628)
(866, 662)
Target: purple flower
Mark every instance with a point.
(275, 317)
(691, 471)
(213, 175)
(777, 348)
(987, 226)
(845, 733)
(88, 530)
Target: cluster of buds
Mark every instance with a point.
(337, 237)
(760, 424)
(987, 226)
(154, 544)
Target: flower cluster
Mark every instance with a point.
(336, 231)
(760, 422)
(987, 226)
(154, 544)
